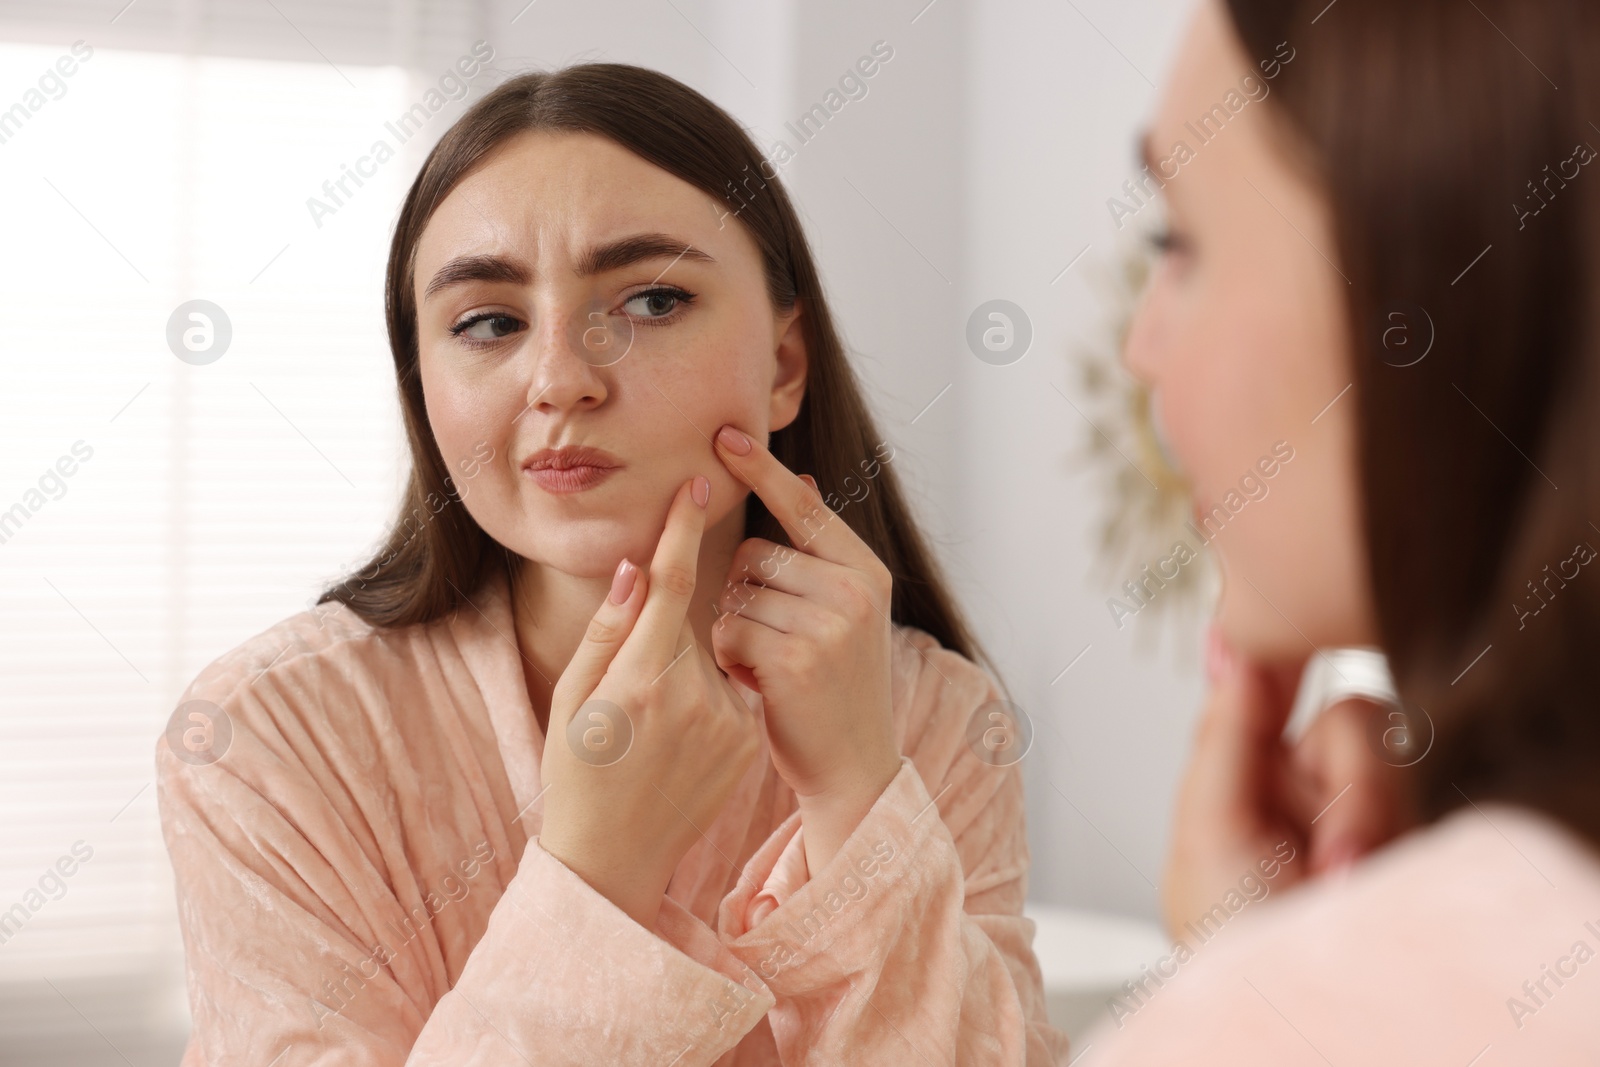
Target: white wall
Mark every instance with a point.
(1057, 95)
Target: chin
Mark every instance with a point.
(1243, 630)
(1253, 628)
(1265, 641)
(587, 550)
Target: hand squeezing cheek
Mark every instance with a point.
(808, 627)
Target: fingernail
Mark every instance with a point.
(734, 441)
(701, 490)
(1218, 656)
(622, 583)
(1340, 857)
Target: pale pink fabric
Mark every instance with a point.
(360, 880)
(1418, 955)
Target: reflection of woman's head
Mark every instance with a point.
(600, 258)
(1409, 216)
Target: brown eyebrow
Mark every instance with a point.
(477, 269)
(610, 256)
(633, 249)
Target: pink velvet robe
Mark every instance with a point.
(360, 880)
(1473, 942)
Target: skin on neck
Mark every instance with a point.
(551, 610)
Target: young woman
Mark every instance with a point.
(1392, 266)
(604, 759)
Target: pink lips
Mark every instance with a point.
(571, 469)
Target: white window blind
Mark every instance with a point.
(204, 502)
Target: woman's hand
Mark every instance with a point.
(1236, 810)
(1251, 803)
(808, 627)
(1352, 799)
(661, 739)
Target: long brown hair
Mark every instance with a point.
(1453, 142)
(436, 554)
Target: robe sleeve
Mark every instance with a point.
(301, 944)
(909, 946)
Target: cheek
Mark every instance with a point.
(720, 374)
(1295, 559)
(447, 417)
(1209, 408)
(471, 423)
(722, 379)
(1294, 565)
(439, 393)
(1186, 345)
(1262, 348)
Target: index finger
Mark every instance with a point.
(1238, 737)
(673, 570)
(800, 509)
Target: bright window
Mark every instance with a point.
(204, 502)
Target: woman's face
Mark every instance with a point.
(572, 295)
(1241, 336)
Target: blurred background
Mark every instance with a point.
(155, 512)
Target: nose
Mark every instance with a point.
(1143, 352)
(565, 377)
(1141, 348)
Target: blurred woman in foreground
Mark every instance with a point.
(1419, 167)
